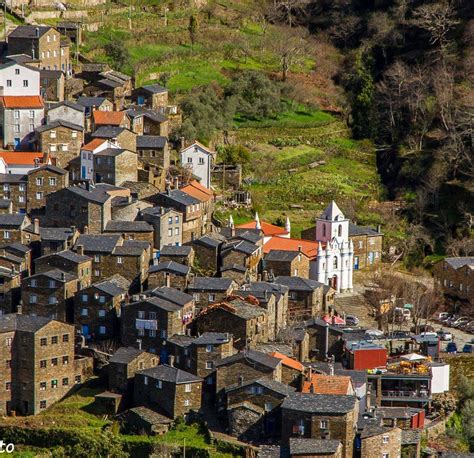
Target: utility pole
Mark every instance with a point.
(130, 15)
(184, 447)
(5, 19)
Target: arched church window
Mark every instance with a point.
(335, 262)
(339, 230)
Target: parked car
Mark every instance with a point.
(451, 320)
(460, 321)
(468, 348)
(469, 329)
(352, 320)
(451, 348)
(443, 316)
(400, 335)
(464, 326)
(374, 333)
(429, 334)
(445, 335)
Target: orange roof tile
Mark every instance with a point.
(328, 384)
(21, 158)
(93, 144)
(22, 101)
(267, 228)
(309, 248)
(197, 190)
(287, 361)
(111, 118)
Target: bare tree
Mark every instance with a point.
(289, 11)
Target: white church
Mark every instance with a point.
(335, 262)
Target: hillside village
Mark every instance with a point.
(116, 272)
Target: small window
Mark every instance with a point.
(201, 161)
(119, 260)
(39, 181)
(16, 114)
(211, 297)
(52, 134)
(84, 312)
(6, 234)
(77, 379)
(84, 297)
(324, 424)
(176, 220)
(42, 404)
(209, 348)
(54, 340)
(17, 71)
(170, 232)
(33, 282)
(159, 384)
(43, 342)
(43, 364)
(65, 360)
(209, 365)
(54, 384)
(54, 361)
(101, 313)
(152, 315)
(65, 337)
(9, 83)
(25, 83)
(52, 181)
(97, 258)
(190, 160)
(386, 439)
(39, 195)
(65, 381)
(187, 388)
(102, 330)
(186, 402)
(141, 314)
(145, 380)
(74, 134)
(32, 114)
(176, 231)
(43, 386)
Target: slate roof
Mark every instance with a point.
(251, 235)
(12, 178)
(56, 274)
(173, 295)
(109, 287)
(273, 385)
(68, 255)
(374, 430)
(29, 31)
(170, 374)
(308, 447)
(235, 268)
(160, 303)
(154, 88)
(182, 250)
(128, 226)
(397, 412)
(125, 355)
(281, 255)
(5, 203)
(212, 338)
(354, 229)
(150, 114)
(411, 436)
(59, 123)
(28, 323)
(170, 266)
(151, 142)
(241, 246)
(131, 248)
(94, 194)
(245, 310)
(458, 262)
(108, 131)
(98, 243)
(181, 340)
(180, 197)
(55, 233)
(211, 284)
(251, 356)
(49, 167)
(89, 102)
(319, 403)
(11, 220)
(145, 414)
(358, 377)
(206, 240)
(69, 104)
(298, 283)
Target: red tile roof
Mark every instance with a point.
(22, 101)
(287, 361)
(197, 190)
(267, 228)
(309, 248)
(93, 144)
(21, 158)
(328, 384)
(109, 118)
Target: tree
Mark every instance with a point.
(119, 54)
(193, 29)
(290, 45)
(289, 11)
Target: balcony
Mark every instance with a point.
(406, 394)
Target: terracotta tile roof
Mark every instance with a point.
(309, 248)
(287, 361)
(197, 190)
(21, 158)
(22, 101)
(328, 384)
(109, 118)
(93, 144)
(267, 228)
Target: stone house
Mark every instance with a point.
(14, 189)
(167, 226)
(49, 294)
(151, 320)
(208, 251)
(141, 419)
(199, 160)
(52, 85)
(114, 166)
(42, 43)
(131, 230)
(287, 263)
(97, 310)
(153, 150)
(61, 139)
(124, 364)
(31, 385)
(55, 239)
(242, 253)
(180, 254)
(6, 206)
(239, 274)
(455, 278)
(189, 207)
(91, 104)
(263, 422)
(207, 199)
(177, 349)
(67, 111)
(82, 205)
(305, 297)
(248, 321)
(14, 254)
(10, 294)
(320, 416)
(43, 181)
(368, 244)
(381, 441)
(111, 255)
(205, 351)
(246, 366)
(124, 137)
(169, 273)
(109, 118)
(151, 96)
(315, 448)
(292, 371)
(13, 228)
(324, 339)
(67, 261)
(172, 391)
(83, 169)
(208, 290)
(328, 384)
(148, 122)
(20, 116)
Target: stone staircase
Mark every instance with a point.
(354, 304)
